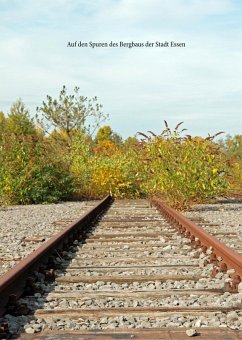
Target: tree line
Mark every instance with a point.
(66, 152)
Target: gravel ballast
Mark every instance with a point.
(223, 219)
(18, 223)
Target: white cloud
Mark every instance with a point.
(144, 86)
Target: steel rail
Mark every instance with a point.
(14, 281)
(222, 256)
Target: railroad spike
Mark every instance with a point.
(192, 238)
(223, 267)
(204, 249)
(236, 279)
(213, 258)
(197, 244)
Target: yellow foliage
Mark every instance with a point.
(105, 148)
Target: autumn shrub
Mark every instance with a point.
(105, 148)
(179, 169)
(116, 174)
(183, 169)
(80, 156)
(232, 147)
(28, 172)
(103, 168)
(29, 176)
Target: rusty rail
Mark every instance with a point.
(13, 283)
(222, 256)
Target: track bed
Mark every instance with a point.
(133, 276)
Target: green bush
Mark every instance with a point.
(29, 176)
(184, 169)
(36, 168)
(28, 171)
(104, 167)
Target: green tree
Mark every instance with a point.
(131, 142)
(2, 124)
(18, 121)
(233, 146)
(106, 133)
(70, 113)
(2, 117)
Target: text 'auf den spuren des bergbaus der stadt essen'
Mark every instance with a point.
(123, 44)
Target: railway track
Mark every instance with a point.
(216, 220)
(123, 272)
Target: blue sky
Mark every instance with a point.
(200, 84)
